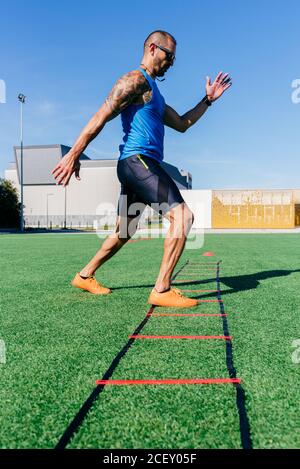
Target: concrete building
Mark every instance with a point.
(82, 204)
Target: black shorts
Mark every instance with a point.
(145, 182)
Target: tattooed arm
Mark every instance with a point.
(126, 90)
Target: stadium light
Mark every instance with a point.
(21, 98)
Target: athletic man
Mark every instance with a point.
(143, 181)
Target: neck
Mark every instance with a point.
(148, 68)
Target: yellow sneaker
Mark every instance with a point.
(89, 284)
(171, 298)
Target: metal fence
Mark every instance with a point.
(230, 209)
(87, 222)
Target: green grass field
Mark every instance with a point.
(60, 340)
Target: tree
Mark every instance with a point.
(10, 207)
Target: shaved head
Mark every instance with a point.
(159, 52)
(159, 37)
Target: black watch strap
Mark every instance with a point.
(206, 101)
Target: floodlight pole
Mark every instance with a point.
(21, 98)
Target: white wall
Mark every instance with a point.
(199, 201)
(98, 185)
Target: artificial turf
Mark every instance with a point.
(60, 340)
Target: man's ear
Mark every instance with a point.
(152, 48)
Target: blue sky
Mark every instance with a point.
(65, 57)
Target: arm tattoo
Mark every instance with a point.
(126, 90)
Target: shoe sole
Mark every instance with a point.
(92, 293)
(172, 306)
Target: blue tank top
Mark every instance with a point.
(143, 126)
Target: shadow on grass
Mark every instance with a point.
(240, 283)
(235, 284)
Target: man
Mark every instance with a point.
(143, 181)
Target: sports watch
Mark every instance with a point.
(206, 100)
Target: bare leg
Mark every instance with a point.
(181, 219)
(112, 244)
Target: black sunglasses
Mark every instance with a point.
(170, 56)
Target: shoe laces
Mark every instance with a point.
(93, 280)
(178, 292)
(95, 283)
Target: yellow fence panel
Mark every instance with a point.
(253, 209)
(297, 215)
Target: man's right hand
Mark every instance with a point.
(65, 168)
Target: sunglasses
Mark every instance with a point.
(170, 56)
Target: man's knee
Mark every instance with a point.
(192, 218)
(126, 228)
(181, 219)
(188, 221)
(188, 217)
(120, 230)
(182, 216)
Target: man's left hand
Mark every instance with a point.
(216, 89)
